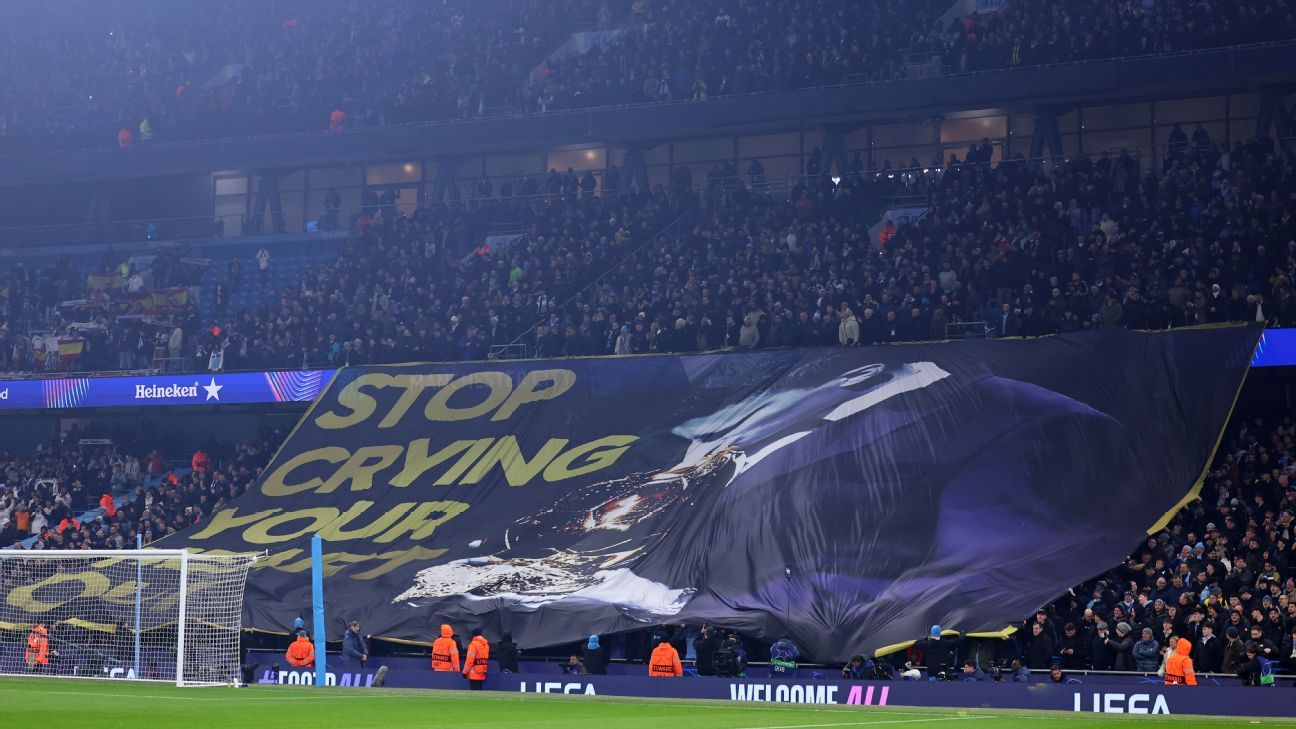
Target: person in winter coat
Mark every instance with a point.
(1209, 650)
(36, 657)
(301, 654)
(1234, 650)
(506, 654)
(1179, 668)
(445, 652)
(1040, 654)
(476, 661)
(594, 656)
(1147, 653)
(848, 332)
(1123, 645)
(1102, 651)
(665, 660)
(355, 649)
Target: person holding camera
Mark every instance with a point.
(856, 669)
(705, 647)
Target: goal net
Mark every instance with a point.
(157, 615)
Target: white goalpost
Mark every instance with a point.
(154, 614)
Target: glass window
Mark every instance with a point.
(339, 177)
(515, 165)
(391, 174)
(973, 130)
(577, 159)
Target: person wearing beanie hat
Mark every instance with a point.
(1147, 653)
(1102, 652)
(1234, 650)
(1122, 645)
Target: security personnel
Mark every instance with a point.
(665, 660)
(37, 654)
(301, 654)
(475, 662)
(445, 654)
(1179, 667)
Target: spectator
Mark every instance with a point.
(574, 667)
(1042, 649)
(594, 657)
(1102, 651)
(1209, 651)
(1257, 670)
(972, 672)
(1147, 653)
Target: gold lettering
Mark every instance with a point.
(438, 408)
(337, 532)
(414, 386)
(508, 455)
(418, 462)
(615, 445)
(477, 448)
(361, 467)
(226, 519)
(527, 391)
(354, 398)
(418, 524)
(399, 558)
(23, 597)
(316, 519)
(275, 485)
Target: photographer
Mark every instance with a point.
(971, 672)
(857, 669)
(731, 660)
(705, 647)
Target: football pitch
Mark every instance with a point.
(55, 704)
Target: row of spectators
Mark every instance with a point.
(1221, 574)
(202, 70)
(1017, 248)
(44, 496)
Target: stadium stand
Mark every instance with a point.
(1008, 249)
(130, 76)
(971, 244)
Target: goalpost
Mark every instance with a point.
(154, 614)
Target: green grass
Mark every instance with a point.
(54, 703)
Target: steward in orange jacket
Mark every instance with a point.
(665, 661)
(37, 654)
(1179, 667)
(476, 661)
(301, 653)
(445, 654)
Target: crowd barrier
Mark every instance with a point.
(1108, 694)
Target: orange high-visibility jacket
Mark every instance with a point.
(477, 659)
(665, 661)
(301, 653)
(1179, 667)
(445, 654)
(37, 646)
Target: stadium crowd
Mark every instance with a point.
(1008, 249)
(127, 492)
(94, 76)
(1220, 575)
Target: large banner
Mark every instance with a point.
(849, 498)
